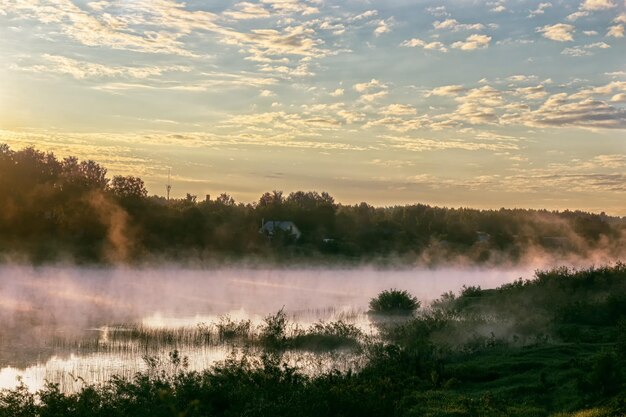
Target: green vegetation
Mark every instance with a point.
(550, 346)
(53, 210)
(394, 302)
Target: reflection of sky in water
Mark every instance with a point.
(53, 320)
(126, 357)
(99, 367)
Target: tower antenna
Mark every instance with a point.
(168, 187)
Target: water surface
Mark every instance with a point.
(67, 324)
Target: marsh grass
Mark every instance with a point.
(277, 331)
(124, 349)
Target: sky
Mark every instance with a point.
(485, 104)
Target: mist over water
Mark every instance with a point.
(75, 295)
(48, 314)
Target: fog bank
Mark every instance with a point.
(72, 295)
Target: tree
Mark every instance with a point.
(273, 199)
(128, 187)
(225, 200)
(85, 174)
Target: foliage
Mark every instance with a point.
(274, 331)
(132, 187)
(328, 336)
(394, 302)
(230, 329)
(53, 209)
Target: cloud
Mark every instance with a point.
(414, 144)
(542, 180)
(351, 116)
(598, 5)
(322, 122)
(561, 110)
(577, 15)
(333, 26)
(585, 50)
(392, 163)
(399, 110)
(532, 93)
(299, 70)
(437, 11)
(591, 108)
(454, 25)
(602, 90)
(522, 78)
(163, 26)
(81, 70)
(397, 123)
(589, 6)
(246, 11)
(619, 98)
(541, 8)
(367, 86)
(374, 96)
(365, 15)
(612, 161)
(560, 32)
(293, 40)
(616, 31)
(473, 42)
(436, 46)
(164, 23)
(446, 24)
(478, 106)
(384, 26)
(291, 6)
(497, 6)
(209, 82)
(575, 176)
(323, 110)
(337, 93)
(123, 159)
(446, 90)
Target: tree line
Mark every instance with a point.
(52, 209)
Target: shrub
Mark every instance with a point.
(394, 302)
(328, 336)
(274, 330)
(229, 329)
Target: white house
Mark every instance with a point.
(270, 227)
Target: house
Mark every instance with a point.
(270, 227)
(482, 237)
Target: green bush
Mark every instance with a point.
(394, 302)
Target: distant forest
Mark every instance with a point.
(69, 210)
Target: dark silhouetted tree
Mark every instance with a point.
(128, 187)
(225, 200)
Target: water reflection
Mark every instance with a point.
(75, 325)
